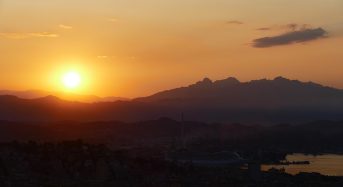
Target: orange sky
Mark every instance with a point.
(134, 48)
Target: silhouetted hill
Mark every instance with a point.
(280, 92)
(260, 101)
(34, 94)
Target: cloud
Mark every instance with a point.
(235, 22)
(102, 57)
(17, 35)
(113, 20)
(44, 34)
(62, 26)
(287, 27)
(294, 26)
(291, 37)
(264, 29)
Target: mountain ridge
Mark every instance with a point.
(35, 94)
(244, 91)
(228, 100)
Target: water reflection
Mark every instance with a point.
(327, 164)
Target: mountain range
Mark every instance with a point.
(279, 92)
(34, 94)
(229, 100)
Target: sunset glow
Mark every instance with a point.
(71, 80)
(137, 48)
(167, 92)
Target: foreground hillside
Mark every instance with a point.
(315, 137)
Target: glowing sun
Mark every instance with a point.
(71, 79)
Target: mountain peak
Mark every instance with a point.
(232, 79)
(280, 78)
(228, 81)
(205, 82)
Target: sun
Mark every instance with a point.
(71, 80)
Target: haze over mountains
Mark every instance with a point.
(228, 100)
(34, 94)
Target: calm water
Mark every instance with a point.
(327, 164)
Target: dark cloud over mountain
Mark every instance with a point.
(296, 36)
